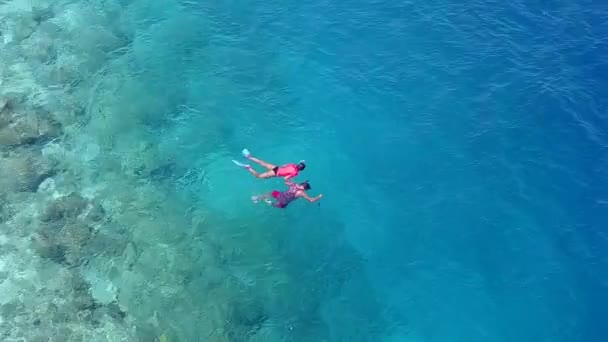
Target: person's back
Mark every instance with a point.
(290, 170)
(285, 197)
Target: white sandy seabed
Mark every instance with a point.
(84, 249)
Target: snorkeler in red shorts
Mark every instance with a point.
(286, 171)
(283, 198)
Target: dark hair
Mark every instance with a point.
(305, 185)
(301, 166)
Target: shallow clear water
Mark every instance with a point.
(460, 149)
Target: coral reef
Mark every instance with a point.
(24, 170)
(98, 240)
(22, 126)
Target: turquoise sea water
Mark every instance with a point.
(460, 149)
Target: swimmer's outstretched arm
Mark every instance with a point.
(311, 199)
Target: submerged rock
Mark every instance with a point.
(24, 170)
(63, 237)
(21, 125)
(8, 137)
(249, 314)
(27, 129)
(65, 207)
(114, 311)
(9, 102)
(46, 248)
(76, 234)
(66, 70)
(6, 212)
(163, 171)
(23, 26)
(66, 245)
(75, 237)
(130, 255)
(108, 245)
(41, 14)
(85, 302)
(40, 48)
(96, 213)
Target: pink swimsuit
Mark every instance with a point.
(286, 170)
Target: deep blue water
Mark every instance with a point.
(460, 148)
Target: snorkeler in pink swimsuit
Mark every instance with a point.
(286, 171)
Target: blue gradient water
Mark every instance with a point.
(460, 148)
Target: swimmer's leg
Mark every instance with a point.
(262, 163)
(267, 174)
(264, 175)
(264, 197)
(277, 205)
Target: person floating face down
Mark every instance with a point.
(283, 198)
(286, 171)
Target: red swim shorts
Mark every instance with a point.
(277, 204)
